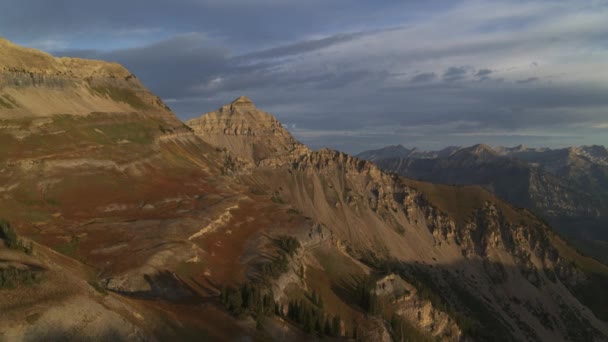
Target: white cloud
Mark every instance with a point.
(602, 125)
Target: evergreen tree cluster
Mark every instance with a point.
(312, 318)
(367, 298)
(316, 299)
(287, 246)
(12, 277)
(403, 331)
(256, 300)
(274, 268)
(252, 299)
(8, 234)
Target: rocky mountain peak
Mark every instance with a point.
(478, 152)
(480, 149)
(598, 152)
(242, 103)
(245, 131)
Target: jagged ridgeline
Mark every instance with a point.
(568, 187)
(145, 228)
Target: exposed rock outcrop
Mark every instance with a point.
(34, 83)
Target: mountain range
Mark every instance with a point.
(568, 187)
(121, 222)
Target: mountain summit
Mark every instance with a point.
(246, 131)
(242, 103)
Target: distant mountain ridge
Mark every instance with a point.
(567, 186)
(399, 151)
(597, 153)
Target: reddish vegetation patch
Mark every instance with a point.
(225, 247)
(111, 194)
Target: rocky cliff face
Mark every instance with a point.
(472, 251)
(565, 186)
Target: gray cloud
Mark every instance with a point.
(306, 46)
(528, 80)
(192, 62)
(424, 77)
(483, 72)
(247, 24)
(455, 74)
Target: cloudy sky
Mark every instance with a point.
(355, 74)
